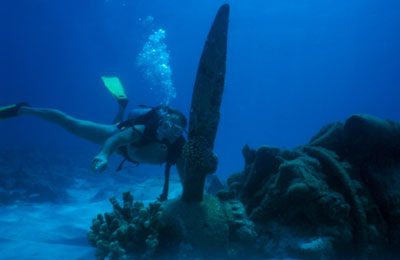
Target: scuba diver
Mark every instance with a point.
(151, 135)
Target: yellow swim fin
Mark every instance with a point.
(115, 87)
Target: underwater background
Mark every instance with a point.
(292, 67)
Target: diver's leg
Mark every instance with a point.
(94, 132)
(122, 103)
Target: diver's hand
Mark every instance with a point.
(99, 163)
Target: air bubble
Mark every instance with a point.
(154, 61)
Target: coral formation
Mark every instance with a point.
(199, 156)
(129, 231)
(199, 161)
(175, 229)
(204, 112)
(334, 198)
(331, 196)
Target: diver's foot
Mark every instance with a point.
(12, 110)
(163, 197)
(123, 102)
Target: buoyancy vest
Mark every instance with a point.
(152, 120)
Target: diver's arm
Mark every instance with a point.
(122, 138)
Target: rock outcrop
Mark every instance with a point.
(337, 196)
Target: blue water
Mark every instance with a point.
(292, 67)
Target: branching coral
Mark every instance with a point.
(131, 230)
